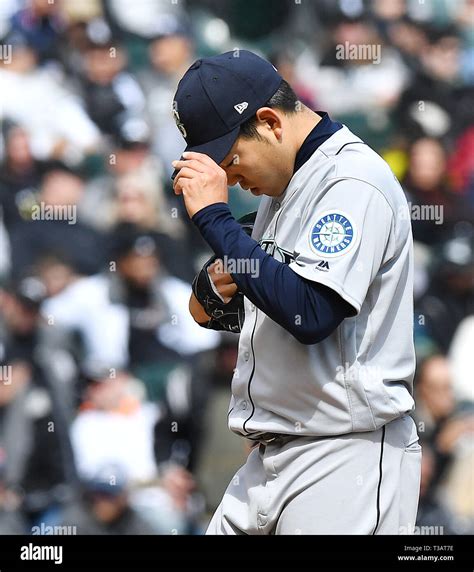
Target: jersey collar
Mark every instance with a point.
(321, 133)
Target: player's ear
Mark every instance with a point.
(270, 120)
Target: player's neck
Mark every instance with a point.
(305, 122)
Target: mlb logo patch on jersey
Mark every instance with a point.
(333, 235)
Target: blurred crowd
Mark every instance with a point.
(105, 380)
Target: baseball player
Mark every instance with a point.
(321, 293)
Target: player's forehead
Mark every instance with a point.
(227, 159)
(232, 154)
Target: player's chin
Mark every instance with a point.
(256, 191)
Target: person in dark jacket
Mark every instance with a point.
(104, 508)
(53, 227)
(33, 412)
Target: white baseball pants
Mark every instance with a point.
(360, 483)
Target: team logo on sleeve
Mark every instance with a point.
(333, 234)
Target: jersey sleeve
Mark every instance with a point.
(343, 239)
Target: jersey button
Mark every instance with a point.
(246, 356)
(244, 405)
(252, 308)
(277, 206)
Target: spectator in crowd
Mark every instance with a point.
(171, 53)
(116, 425)
(132, 191)
(104, 507)
(285, 63)
(109, 310)
(160, 322)
(449, 297)
(27, 336)
(79, 308)
(84, 21)
(138, 205)
(359, 79)
(461, 166)
(432, 512)
(11, 519)
(20, 175)
(441, 420)
(111, 93)
(53, 226)
(457, 486)
(35, 98)
(41, 23)
(436, 103)
(447, 427)
(33, 416)
(142, 18)
(435, 209)
(139, 201)
(435, 392)
(407, 35)
(264, 20)
(460, 354)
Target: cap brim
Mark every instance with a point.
(217, 149)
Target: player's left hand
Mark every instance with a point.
(201, 182)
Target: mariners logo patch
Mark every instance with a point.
(333, 234)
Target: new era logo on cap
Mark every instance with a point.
(241, 107)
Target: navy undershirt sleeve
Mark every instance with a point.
(308, 310)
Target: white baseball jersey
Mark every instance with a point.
(343, 222)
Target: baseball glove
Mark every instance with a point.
(224, 317)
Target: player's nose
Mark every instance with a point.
(233, 179)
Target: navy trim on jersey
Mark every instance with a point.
(251, 377)
(351, 143)
(321, 133)
(380, 480)
(253, 351)
(276, 289)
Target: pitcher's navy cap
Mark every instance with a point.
(217, 94)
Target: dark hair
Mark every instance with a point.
(284, 99)
(56, 165)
